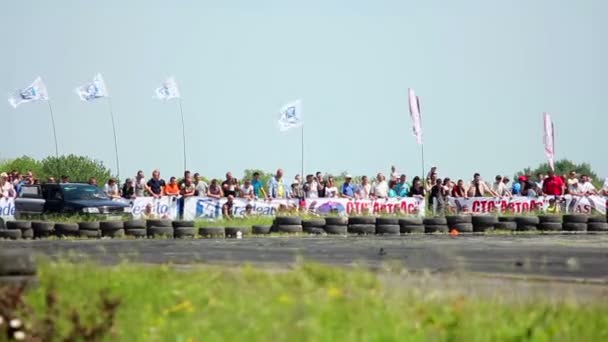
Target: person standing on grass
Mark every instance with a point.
(6, 188)
(321, 184)
(380, 187)
(347, 190)
(276, 189)
(111, 189)
(155, 186)
(364, 189)
(128, 190)
(227, 208)
(297, 192)
(140, 184)
(258, 187)
(172, 189)
(553, 185)
(437, 197)
(214, 191)
(330, 188)
(311, 187)
(200, 186)
(417, 189)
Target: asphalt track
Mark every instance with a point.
(567, 257)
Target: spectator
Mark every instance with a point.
(246, 190)
(214, 191)
(92, 181)
(148, 212)
(431, 171)
(155, 186)
(172, 189)
(402, 188)
(394, 174)
(65, 179)
(380, 187)
(311, 187)
(330, 188)
(140, 184)
(276, 188)
(479, 188)
(392, 186)
(572, 179)
(187, 174)
(111, 189)
(364, 189)
(459, 190)
(417, 189)
(430, 182)
(347, 190)
(553, 185)
(297, 191)
(573, 188)
(540, 178)
(448, 186)
(200, 186)
(506, 181)
(187, 189)
(587, 188)
(517, 188)
(321, 184)
(50, 180)
(437, 197)
(227, 208)
(604, 191)
(248, 211)
(258, 187)
(529, 188)
(553, 207)
(128, 189)
(499, 187)
(229, 186)
(6, 188)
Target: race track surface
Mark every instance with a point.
(569, 257)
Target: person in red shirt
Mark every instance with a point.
(553, 185)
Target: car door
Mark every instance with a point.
(54, 199)
(30, 200)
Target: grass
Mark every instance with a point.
(308, 303)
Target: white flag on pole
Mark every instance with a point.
(415, 115)
(168, 90)
(34, 92)
(93, 90)
(549, 139)
(290, 116)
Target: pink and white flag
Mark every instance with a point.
(549, 139)
(415, 114)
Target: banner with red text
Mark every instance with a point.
(523, 205)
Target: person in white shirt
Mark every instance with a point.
(500, 187)
(330, 190)
(364, 189)
(6, 188)
(380, 187)
(587, 187)
(201, 186)
(111, 189)
(246, 190)
(311, 187)
(140, 184)
(604, 191)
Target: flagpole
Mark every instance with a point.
(55, 137)
(115, 140)
(302, 161)
(181, 111)
(422, 154)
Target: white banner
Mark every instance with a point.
(522, 205)
(7, 208)
(150, 207)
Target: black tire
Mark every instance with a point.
(462, 227)
(596, 219)
(577, 218)
(506, 225)
(388, 229)
(550, 219)
(16, 263)
(27, 234)
(314, 230)
(66, 229)
(43, 228)
(362, 229)
(410, 221)
(453, 220)
(136, 232)
(159, 223)
(412, 229)
(87, 233)
(506, 219)
(550, 226)
(387, 221)
(231, 231)
(527, 220)
(209, 232)
(435, 228)
(526, 228)
(336, 221)
(484, 220)
(313, 222)
(135, 224)
(290, 228)
(361, 220)
(182, 224)
(184, 232)
(18, 224)
(597, 226)
(288, 221)
(89, 225)
(336, 230)
(575, 227)
(261, 229)
(160, 232)
(117, 233)
(435, 221)
(483, 228)
(111, 225)
(13, 234)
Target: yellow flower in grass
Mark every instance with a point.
(185, 306)
(334, 292)
(285, 299)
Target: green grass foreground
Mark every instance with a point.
(309, 303)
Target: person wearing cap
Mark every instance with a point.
(347, 190)
(517, 186)
(6, 188)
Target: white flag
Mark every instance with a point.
(93, 90)
(34, 92)
(416, 116)
(291, 116)
(168, 90)
(549, 139)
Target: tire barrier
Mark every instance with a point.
(411, 225)
(117, 233)
(135, 224)
(576, 218)
(596, 219)
(435, 225)
(16, 267)
(462, 227)
(361, 229)
(66, 229)
(336, 230)
(212, 232)
(11, 234)
(575, 227)
(159, 223)
(184, 232)
(262, 230)
(388, 229)
(136, 232)
(43, 229)
(182, 224)
(166, 232)
(91, 225)
(18, 224)
(483, 223)
(506, 225)
(506, 219)
(91, 234)
(550, 223)
(233, 231)
(313, 226)
(527, 223)
(597, 227)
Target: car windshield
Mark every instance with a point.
(82, 192)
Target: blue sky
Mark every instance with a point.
(484, 70)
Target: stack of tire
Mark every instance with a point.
(159, 228)
(112, 229)
(483, 223)
(362, 225)
(575, 223)
(388, 226)
(435, 225)
(527, 223)
(16, 268)
(597, 224)
(287, 224)
(462, 223)
(234, 231)
(212, 232)
(43, 229)
(183, 229)
(314, 226)
(336, 225)
(89, 229)
(17, 230)
(66, 229)
(411, 225)
(552, 223)
(135, 228)
(506, 223)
